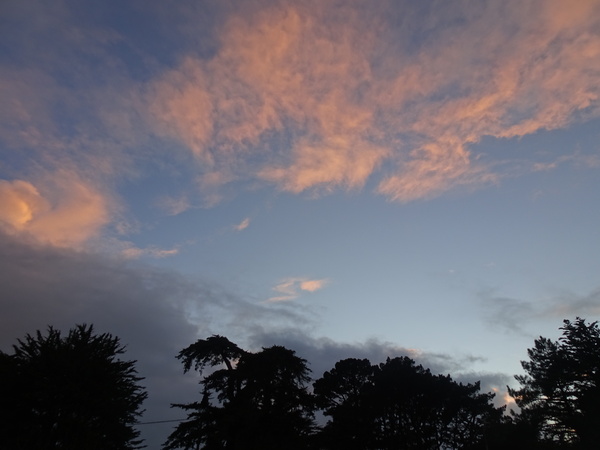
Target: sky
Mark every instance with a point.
(345, 178)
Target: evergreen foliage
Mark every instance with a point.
(249, 401)
(69, 392)
(73, 392)
(401, 405)
(560, 392)
(261, 401)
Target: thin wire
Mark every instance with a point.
(161, 421)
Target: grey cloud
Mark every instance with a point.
(513, 314)
(145, 307)
(323, 353)
(508, 313)
(154, 312)
(45, 285)
(569, 304)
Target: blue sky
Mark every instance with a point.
(345, 178)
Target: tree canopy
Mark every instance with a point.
(560, 392)
(69, 392)
(249, 401)
(74, 392)
(261, 401)
(400, 405)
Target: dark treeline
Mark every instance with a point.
(73, 392)
(69, 392)
(263, 400)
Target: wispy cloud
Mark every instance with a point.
(576, 158)
(350, 108)
(242, 225)
(513, 314)
(134, 252)
(291, 288)
(569, 304)
(312, 285)
(174, 205)
(301, 96)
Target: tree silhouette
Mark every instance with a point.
(400, 405)
(257, 401)
(560, 392)
(343, 393)
(69, 393)
(260, 401)
(212, 351)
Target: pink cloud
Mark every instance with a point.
(353, 109)
(305, 96)
(313, 285)
(327, 164)
(61, 209)
(290, 288)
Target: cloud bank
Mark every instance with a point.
(310, 97)
(323, 353)
(156, 313)
(303, 97)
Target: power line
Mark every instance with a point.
(160, 421)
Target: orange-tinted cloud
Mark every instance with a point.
(311, 95)
(61, 209)
(312, 285)
(304, 95)
(267, 77)
(291, 288)
(20, 201)
(340, 162)
(183, 108)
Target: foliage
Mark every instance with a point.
(213, 351)
(260, 401)
(560, 391)
(250, 400)
(398, 404)
(73, 392)
(69, 393)
(343, 394)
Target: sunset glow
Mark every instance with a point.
(348, 179)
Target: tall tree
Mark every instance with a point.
(69, 392)
(343, 394)
(249, 400)
(204, 427)
(399, 404)
(560, 391)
